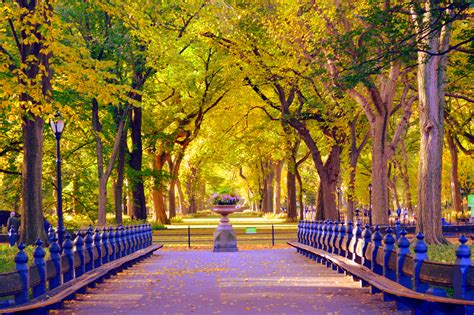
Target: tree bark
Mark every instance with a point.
(267, 175)
(136, 157)
(403, 168)
(32, 214)
(431, 89)
(118, 185)
(354, 154)
(34, 75)
(379, 170)
(158, 189)
(300, 193)
(455, 192)
(181, 200)
(174, 167)
(278, 165)
(104, 174)
(291, 191)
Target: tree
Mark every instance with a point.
(434, 27)
(30, 24)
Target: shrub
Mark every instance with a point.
(157, 226)
(271, 215)
(177, 219)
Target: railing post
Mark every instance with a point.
(21, 265)
(461, 269)
(90, 250)
(40, 264)
(127, 237)
(67, 250)
(98, 249)
(397, 229)
(342, 236)
(389, 242)
(55, 256)
(324, 231)
(312, 232)
(349, 239)
(118, 243)
(403, 250)
(299, 233)
(366, 236)
(51, 235)
(150, 234)
(105, 244)
(335, 235)
(420, 256)
(376, 243)
(356, 234)
(124, 241)
(111, 239)
(79, 249)
(135, 238)
(329, 233)
(319, 237)
(273, 235)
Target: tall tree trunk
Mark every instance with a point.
(277, 193)
(191, 189)
(354, 154)
(403, 167)
(300, 193)
(267, 174)
(181, 200)
(32, 214)
(392, 183)
(379, 170)
(138, 190)
(431, 89)
(158, 189)
(174, 167)
(118, 185)
(34, 75)
(291, 191)
(455, 193)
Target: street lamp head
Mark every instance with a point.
(370, 187)
(338, 189)
(57, 124)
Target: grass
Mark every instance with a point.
(7, 257)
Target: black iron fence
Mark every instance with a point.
(202, 236)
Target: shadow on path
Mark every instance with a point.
(278, 281)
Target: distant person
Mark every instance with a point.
(399, 212)
(389, 213)
(13, 222)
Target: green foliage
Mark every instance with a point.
(158, 226)
(177, 219)
(7, 256)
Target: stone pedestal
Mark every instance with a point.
(225, 239)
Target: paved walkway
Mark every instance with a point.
(276, 281)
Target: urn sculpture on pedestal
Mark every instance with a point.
(225, 239)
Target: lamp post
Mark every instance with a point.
(370, 204)
(57, 126)
(338, 189)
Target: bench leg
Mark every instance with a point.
(374, 290)
(403, 304)
(386, 297)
